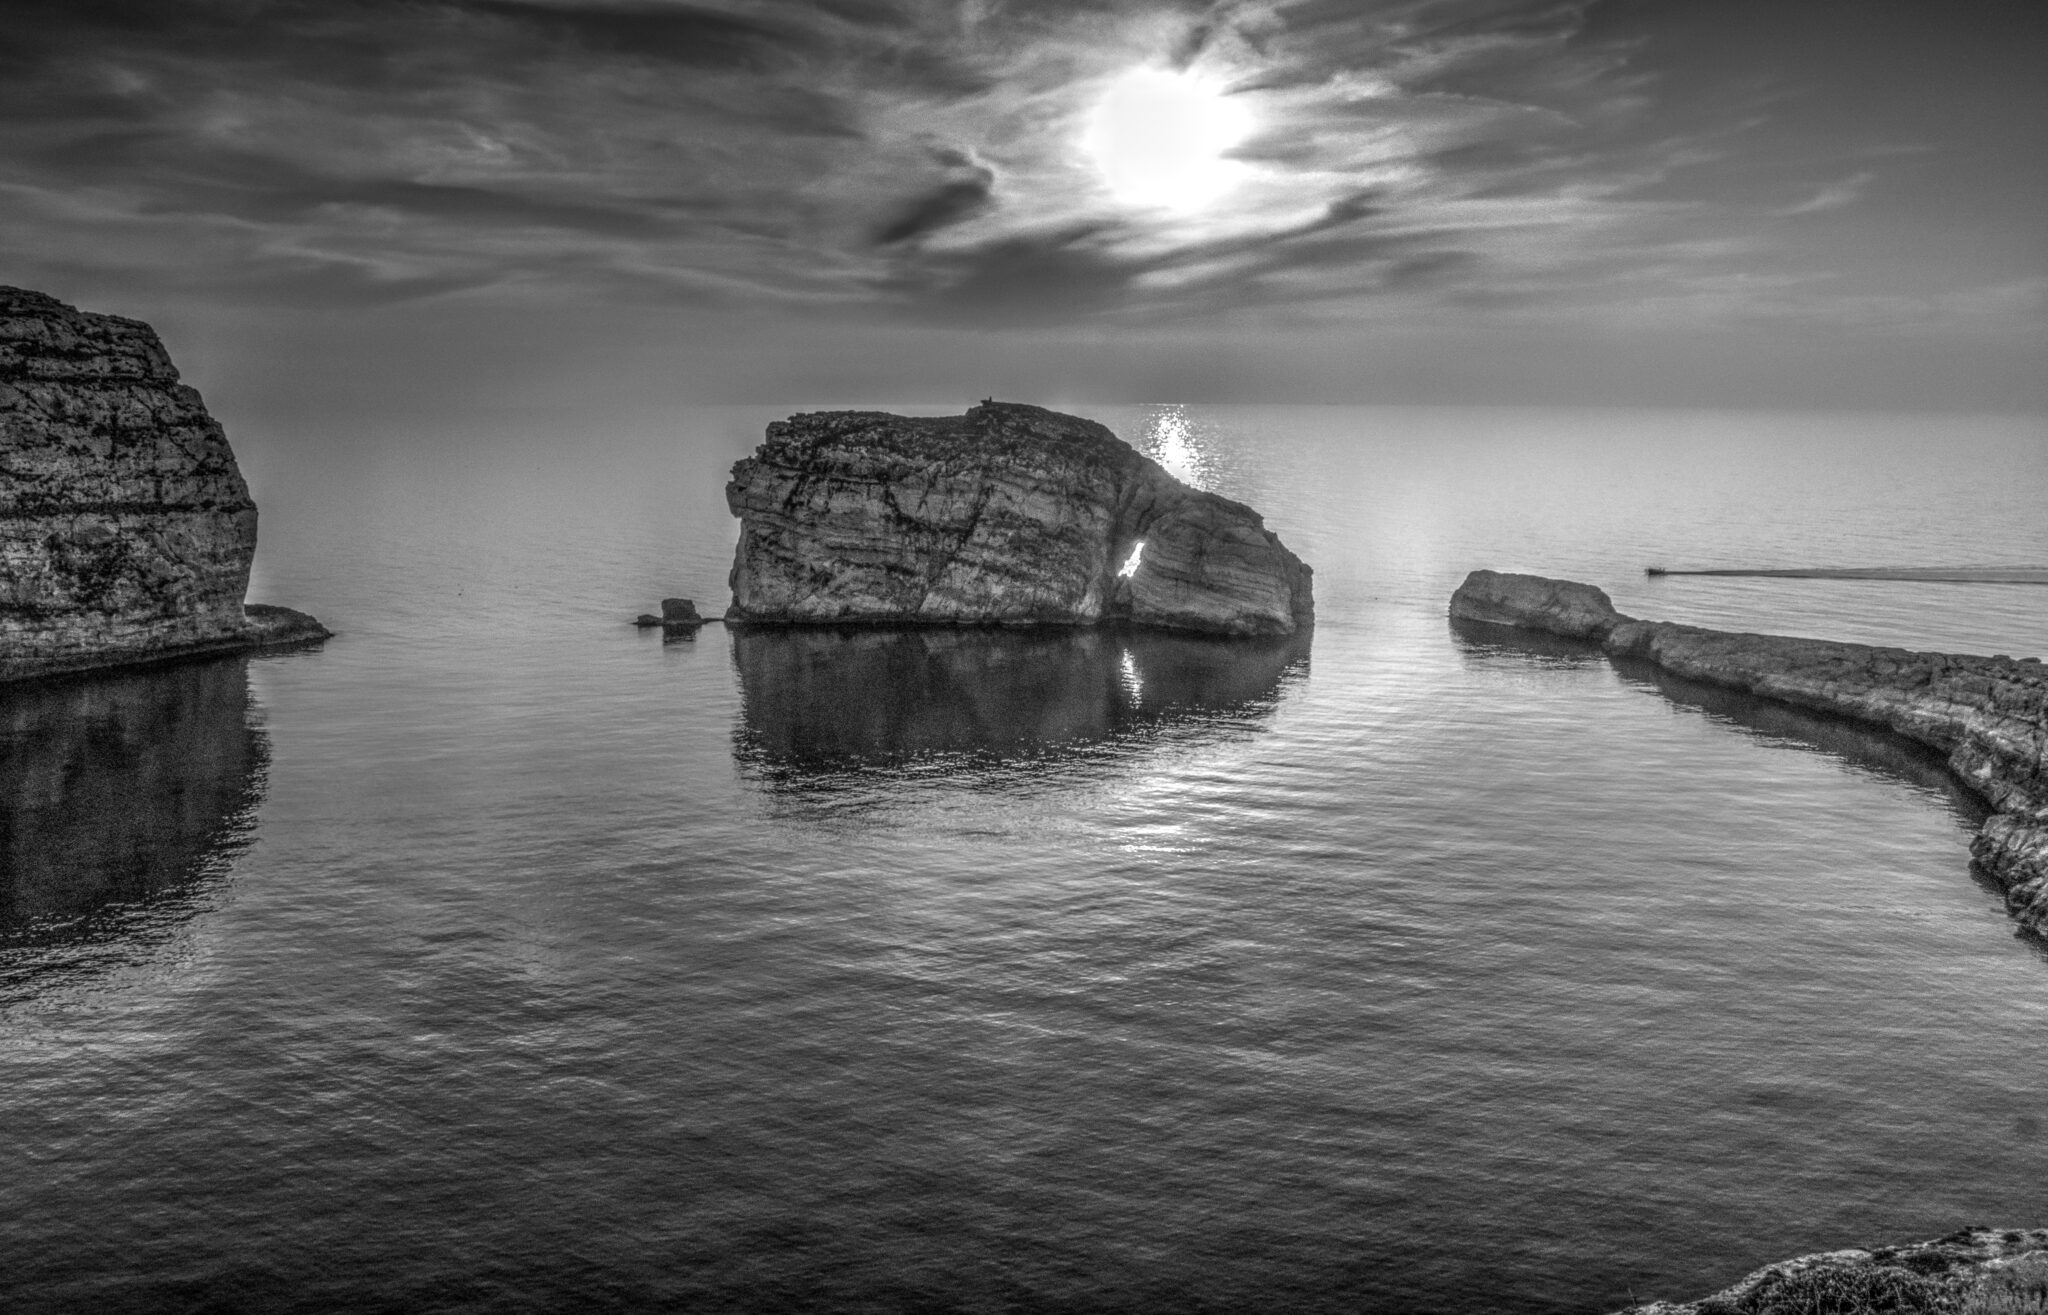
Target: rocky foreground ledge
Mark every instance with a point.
(1007, 515)
(1988, 714)
(126, 531)
(1974, 1271)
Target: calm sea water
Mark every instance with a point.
(498, 956)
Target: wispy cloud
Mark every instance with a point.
(918, 159)
(1833, 196)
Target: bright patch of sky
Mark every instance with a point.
(1207, 171)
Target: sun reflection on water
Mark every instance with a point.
(1171, 441)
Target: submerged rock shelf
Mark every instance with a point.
(126, 531)
(1007, 515)
(1989, 715)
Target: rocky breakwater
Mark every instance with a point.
(1009, 514)
(1988, 714)
(126, 531)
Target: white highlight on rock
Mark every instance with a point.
(1159, 138)
(1130, 566)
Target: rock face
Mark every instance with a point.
(1988, 714)
(1008, 514)
(126, 531)
(1971, 1270)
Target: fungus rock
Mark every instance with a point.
(126, 531)
(1009, 514)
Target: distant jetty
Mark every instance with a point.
(1988, 714)
(126, 531)
(1934, 574)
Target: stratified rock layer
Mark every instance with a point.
(1972, 1269)
(126, 531)
(1008, 514)
(1988, 714)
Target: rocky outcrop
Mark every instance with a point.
(1973, 1271)
(1008, 514)
(126, 531)
(1988, 714)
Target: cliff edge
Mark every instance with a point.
(126, 532)
(1988, 714)
(1009, 514)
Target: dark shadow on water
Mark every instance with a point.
(1484, 639)
(1872, 748)
(123, 796)
(831, 700)
(1861, 745)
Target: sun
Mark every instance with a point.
(1159, 138)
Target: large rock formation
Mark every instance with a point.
(126, 531)
(1972, 1270)
(1008, 514)
(1988, 714)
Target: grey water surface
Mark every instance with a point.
(498, 956)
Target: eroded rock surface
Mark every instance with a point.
(126, 531)
(1970, 1270)
(1008, 514)
(1988, 714)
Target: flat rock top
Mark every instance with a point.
(992, 433)
(43, 338)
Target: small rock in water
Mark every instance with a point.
(646, 620)
(679, 612)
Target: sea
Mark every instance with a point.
(500, 956)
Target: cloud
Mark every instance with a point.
(691, 35)
(1833, 196)
(925, 156)
(970, 192)
(903, 158)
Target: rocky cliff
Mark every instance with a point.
(1008, 514)
(126, 531)
(1988, 714)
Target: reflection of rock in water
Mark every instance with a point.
(121, 786)
(1873, 748)
(1870, 747)
(827, 699)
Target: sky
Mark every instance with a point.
(411, 207)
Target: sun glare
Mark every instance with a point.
(1159, 138)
